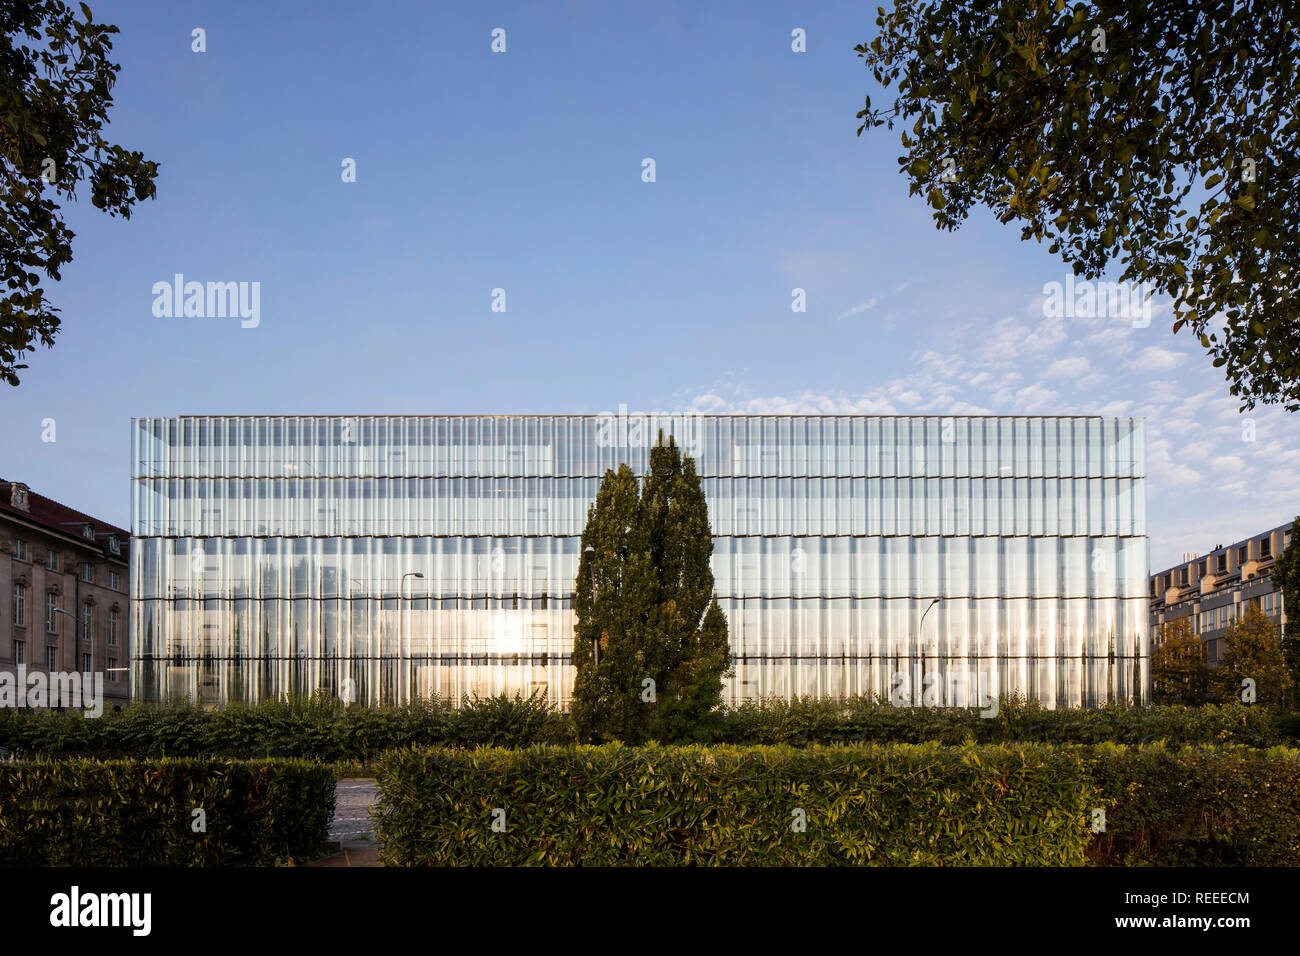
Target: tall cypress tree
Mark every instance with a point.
(602, 638)
(662, 641)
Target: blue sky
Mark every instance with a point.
(523, 171)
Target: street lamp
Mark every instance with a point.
(590, 553)
(401, 594)
(920, 637)
(76, 639)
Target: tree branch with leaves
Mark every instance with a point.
(56, 82)
(1158, 134)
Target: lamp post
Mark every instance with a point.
(401, 593)
(77, 643)
(590, 553)
(76, 638)
(920, 637)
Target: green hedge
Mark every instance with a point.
(734, 806)
(1019, 804)
(320, 728)
(859, 720)
(323, 729)
(1196, 806)
(140, 813)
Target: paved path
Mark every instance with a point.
(352, 828)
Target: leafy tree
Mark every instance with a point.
(1159, 132)
(660, 640)
(1286, 574)
(1252, 652)
(55, 92)
(1179, 669)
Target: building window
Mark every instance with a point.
(51, 658)
(20, 549)
(87, 621)
(85, 663)
(20, 652)
(112, 629)
(88, 572)
(1223, 563)
(114, 581)
(51, 560)
(1265, 547)
(1200, 569)
(20, 605)
(112, 668)
(51, 619)
(1241, 555)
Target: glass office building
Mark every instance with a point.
(380, 558)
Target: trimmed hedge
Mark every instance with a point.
(1197, 806)
(139, 813)
(323, 729)
(807, 720)
(733, 806)
(320, 728)
(931, 804)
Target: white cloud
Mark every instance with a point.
(1067, 367)
(1113, 409)
(1202, 449)
(1155, 359)
(1227, 464)
(870, 303)
(1036, 398)
(1111, 339)
(1008, 340)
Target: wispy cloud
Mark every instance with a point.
(859, 308)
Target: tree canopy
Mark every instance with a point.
(1286, 575)
(1252, 652)
(1179, 667)
(56, 84)
(1160, 133)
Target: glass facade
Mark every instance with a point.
(381, 558)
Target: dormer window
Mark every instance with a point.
(18, 496)
(88, 531)
(114, 546)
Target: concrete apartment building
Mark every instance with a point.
(1215, 588)
(64, 587)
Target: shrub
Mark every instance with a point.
(897, 804)
(1196, 806)
(82, 812)
(322, 728)
(319, 728)
(861, 720)
(735, 806)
